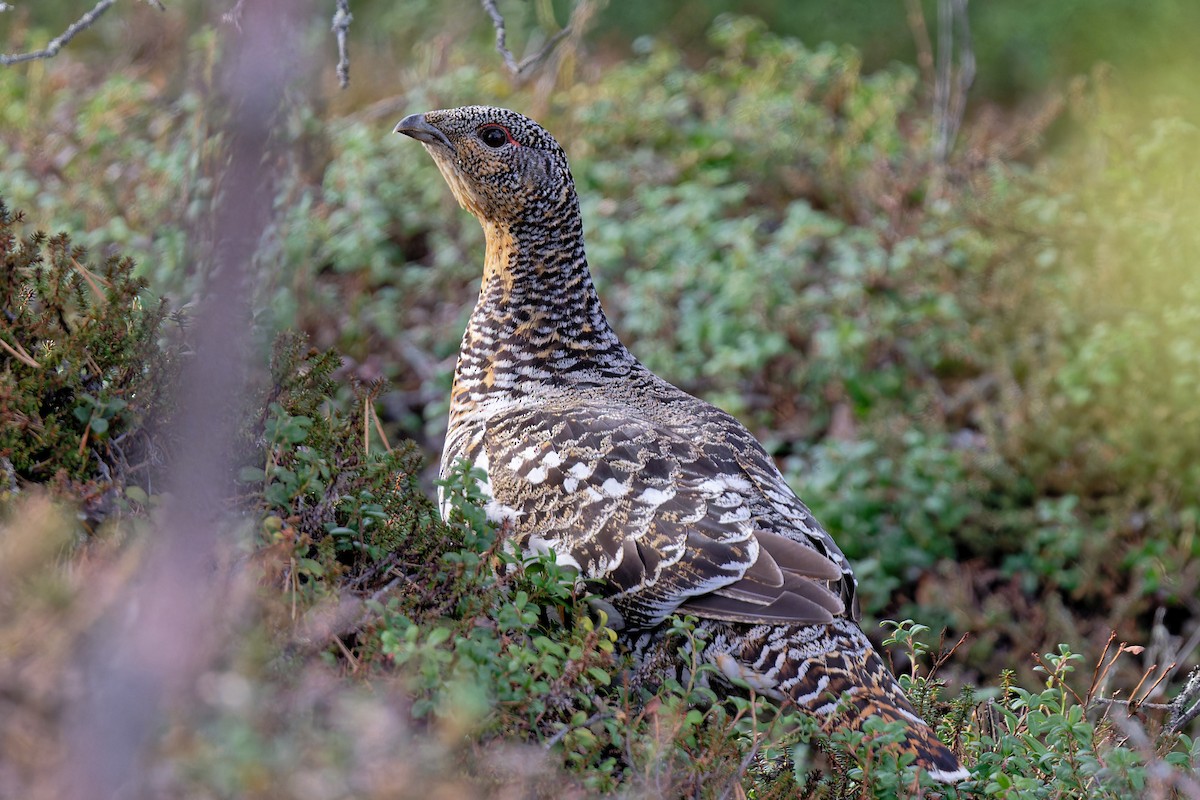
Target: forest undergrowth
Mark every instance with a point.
(981, 375)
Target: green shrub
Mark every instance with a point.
(334, 506)
(87, 369)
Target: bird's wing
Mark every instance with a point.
(643, 510)
(784, 513)
(774, 506)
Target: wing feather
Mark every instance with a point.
(662, 524)
(787, 608)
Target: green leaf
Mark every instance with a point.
(311, 567)
(599, 675)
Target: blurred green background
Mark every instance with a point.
(1022, 46)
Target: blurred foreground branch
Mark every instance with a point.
(341, 25)
(950, 89)
(57, 43)
(144, 660)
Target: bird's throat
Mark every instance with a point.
(500, 255)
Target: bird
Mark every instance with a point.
(665, 504)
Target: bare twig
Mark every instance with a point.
(56, 44)
(349, 614)
(341, 24)
(19, 354)
(1154, 686)
(501, 36)
(521, 70)
(375, 570)
(1185, 707)
(1100, 673)
(1180, 711)
(1149, 671)
(945, 655)
(91, 279)
(1132, 705)
(387, 446)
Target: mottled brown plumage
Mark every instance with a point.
(665, 502)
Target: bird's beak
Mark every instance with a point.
(417, 127)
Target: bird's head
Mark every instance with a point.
(502, 166)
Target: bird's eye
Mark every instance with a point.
(495, 136)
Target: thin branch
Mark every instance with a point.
(1101, 672)
(366, 426)
(387, 446)
(91, 279)
(24, 359)
(520, 70)
(1186, 707)
(51, 50)
(341, 24)
(375, 570)
(1132, 705)
(19, 353)
(501, 36)
(1180, 711)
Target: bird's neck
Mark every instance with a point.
(538, 320)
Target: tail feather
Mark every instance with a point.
(817, 665)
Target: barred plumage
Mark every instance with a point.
(664, 501)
